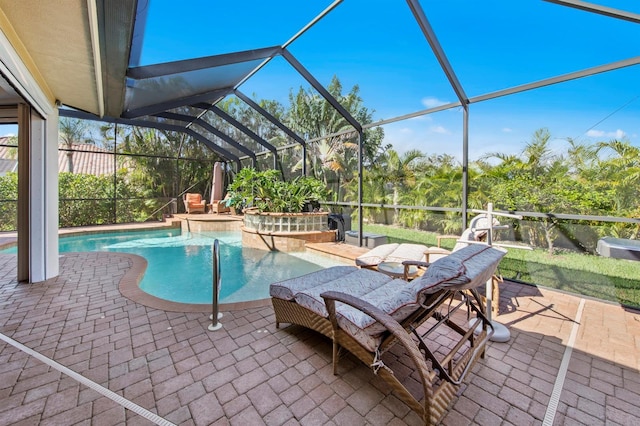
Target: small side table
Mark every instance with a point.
(396, 270)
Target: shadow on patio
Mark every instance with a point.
(249, 372)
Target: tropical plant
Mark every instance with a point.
(265, 191)
(85, 200)
(540, 180)
(162, 169)
(399, 172)
(620, 171)
(438, 182)
(334, 158)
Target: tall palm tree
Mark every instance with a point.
(333, 158)
(72, 131)
(399, 174)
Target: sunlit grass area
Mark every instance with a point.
(599, 277)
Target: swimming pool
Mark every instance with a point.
(179, 266)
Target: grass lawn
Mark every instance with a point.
(599, 277)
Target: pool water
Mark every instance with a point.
(180, 266)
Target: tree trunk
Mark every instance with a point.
(548, 226)
(396, 211)
(70, 162)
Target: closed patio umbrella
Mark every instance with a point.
(218, 182)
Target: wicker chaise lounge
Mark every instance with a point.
(399, 253)
(367, 312)
(392, 252)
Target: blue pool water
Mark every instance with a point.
(179, 266)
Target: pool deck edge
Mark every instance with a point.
(129, 285)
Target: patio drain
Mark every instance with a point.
(552, 408)
(152, 417)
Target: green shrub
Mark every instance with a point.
(267, 192)
(8, 202)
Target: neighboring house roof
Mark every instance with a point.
(86, 159)
(7, 165)
(8, 157)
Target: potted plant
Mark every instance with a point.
(235, 202)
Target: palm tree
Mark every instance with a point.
(311, 116)
(399, 174)
(622, 172)
(535, 180)
(438, 183)
(582, 158)
(333, 158)
(71, 131)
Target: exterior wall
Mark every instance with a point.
(286, 232)
(286, 222)
(38, 261)
(283, 241)
(43, 193)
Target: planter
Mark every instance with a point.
(285, 231)
(286, 222)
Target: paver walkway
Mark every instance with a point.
(250, 373)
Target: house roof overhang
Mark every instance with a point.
(77, 50)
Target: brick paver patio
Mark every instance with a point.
(250, 373)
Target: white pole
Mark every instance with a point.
(489, 285)
(500, 332)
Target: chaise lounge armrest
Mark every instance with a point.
(330, 299)
(452, 371)
(409, 263)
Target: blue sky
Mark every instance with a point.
(377, 45)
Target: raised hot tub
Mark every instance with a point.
(285, 231)
(286, 222)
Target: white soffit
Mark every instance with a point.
(57, 35)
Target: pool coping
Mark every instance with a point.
(129, 287)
